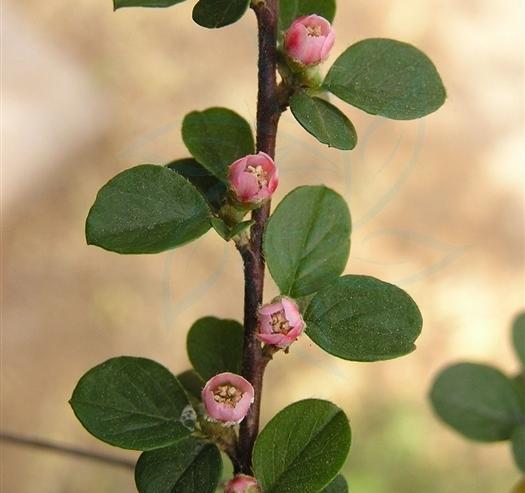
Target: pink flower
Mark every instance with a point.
(280, 323)
(227, 398)
(253, 178)
(242, 484)
(309, 39)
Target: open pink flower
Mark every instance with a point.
(242, 484)
(309, 39)
(280, 323)
(253, 178)
(227, 398)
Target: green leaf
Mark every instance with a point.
(388, 78)
(216, 138)
(307, 240)
(338, 485)
(219, 13)
(518, 446)
(226, 232)
(189, 466)
(192, 383)
(361, 318)
(478, 401)
(302, 448)
(146, 209)
(289, 10)
(518, 336)
(215, 346)
(133, 403)
(118, 4)
(324, 121)
(208, 185)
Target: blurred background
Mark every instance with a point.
(437, 206)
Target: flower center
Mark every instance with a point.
(227, 394)
(259, 173)
(314, 31)
(279, 323)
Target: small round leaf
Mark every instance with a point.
(302, 448)
(388, 78)
(146, 209)
(208, 185)
(361, 318)
(133, 403)
(189, 466)
(219, 13)
(216, 138)
(307, 240)
(215, 346)
(192, 383)
(324, 121)
(478, 401)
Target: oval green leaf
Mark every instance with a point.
(388, 78)
(518, 446)
(302, 448)
(192, 383)
(324, 121)
(219, 13)
(208, 185)
(215, 346)
(146, 209)
(478, 401)
(289, 10)
(518, 336)
(189, 466)
(118, 4)
(216, 138)
(307, 240)
(338, 485)
(133, 403)
(361, 318)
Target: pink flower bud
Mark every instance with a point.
(242, 484)
(280, 323)
(309, 39)
(253, 178)
(227, 398)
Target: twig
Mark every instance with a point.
(60, 448)
(268, 114)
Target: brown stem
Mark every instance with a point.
(38, 443)
(268, 114)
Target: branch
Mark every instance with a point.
(42, 444)
(268, 114)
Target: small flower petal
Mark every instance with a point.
(227, 398)
(280, 323)
(309, 39)
(253, 178)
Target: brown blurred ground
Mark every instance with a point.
(437, 207)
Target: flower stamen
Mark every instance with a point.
(314, 31)
(259, 173)
(227, 394)
(280, 324)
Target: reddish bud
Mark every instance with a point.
(309, 39)
(253, 178)
(242, 484)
